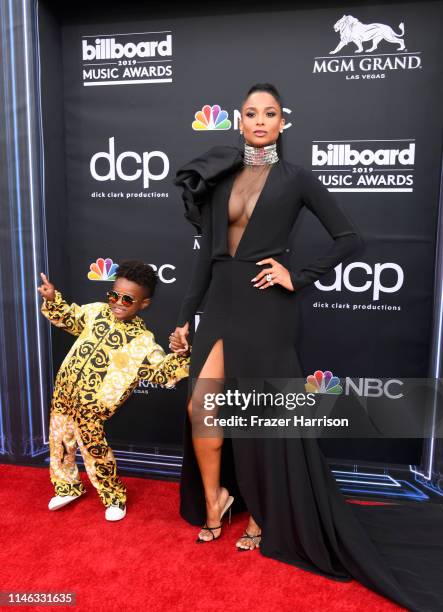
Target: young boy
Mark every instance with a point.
(113, 352)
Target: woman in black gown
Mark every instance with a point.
(244, 203)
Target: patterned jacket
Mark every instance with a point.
(110, 357)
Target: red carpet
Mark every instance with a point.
(148, 561)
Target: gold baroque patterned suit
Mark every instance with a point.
(101, 370)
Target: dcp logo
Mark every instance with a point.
(131, 172)
(374, 283)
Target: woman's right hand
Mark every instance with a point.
(178, 339)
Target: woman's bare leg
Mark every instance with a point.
(208, 449)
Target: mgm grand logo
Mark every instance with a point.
(353, 34)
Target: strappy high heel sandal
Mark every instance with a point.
(227, 508)
(246, 535)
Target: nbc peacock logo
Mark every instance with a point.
(211, 118)
(323, 382)
(102, 270)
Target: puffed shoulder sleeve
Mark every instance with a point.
(198, 176)
(324, 206)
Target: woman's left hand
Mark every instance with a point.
(279, 275)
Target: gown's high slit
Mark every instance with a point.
(285, 483)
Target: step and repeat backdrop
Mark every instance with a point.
(362, 97)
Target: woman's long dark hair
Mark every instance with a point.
(271, 89)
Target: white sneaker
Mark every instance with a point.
(61, 500)
(114, 513)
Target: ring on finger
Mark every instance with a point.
(269, 278)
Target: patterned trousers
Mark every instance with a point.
(73, 427)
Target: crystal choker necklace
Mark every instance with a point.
(258, 156)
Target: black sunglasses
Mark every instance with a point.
(127, 300)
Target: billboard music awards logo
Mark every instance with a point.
(370, 166)
(122, 59)
(376, 49)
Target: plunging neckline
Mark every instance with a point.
(230, 184)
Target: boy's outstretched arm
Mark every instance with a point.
(164, 369)
(69, 317)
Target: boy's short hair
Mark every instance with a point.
(140, 273)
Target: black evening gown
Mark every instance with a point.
(285, 483)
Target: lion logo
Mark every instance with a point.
(353, 30)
